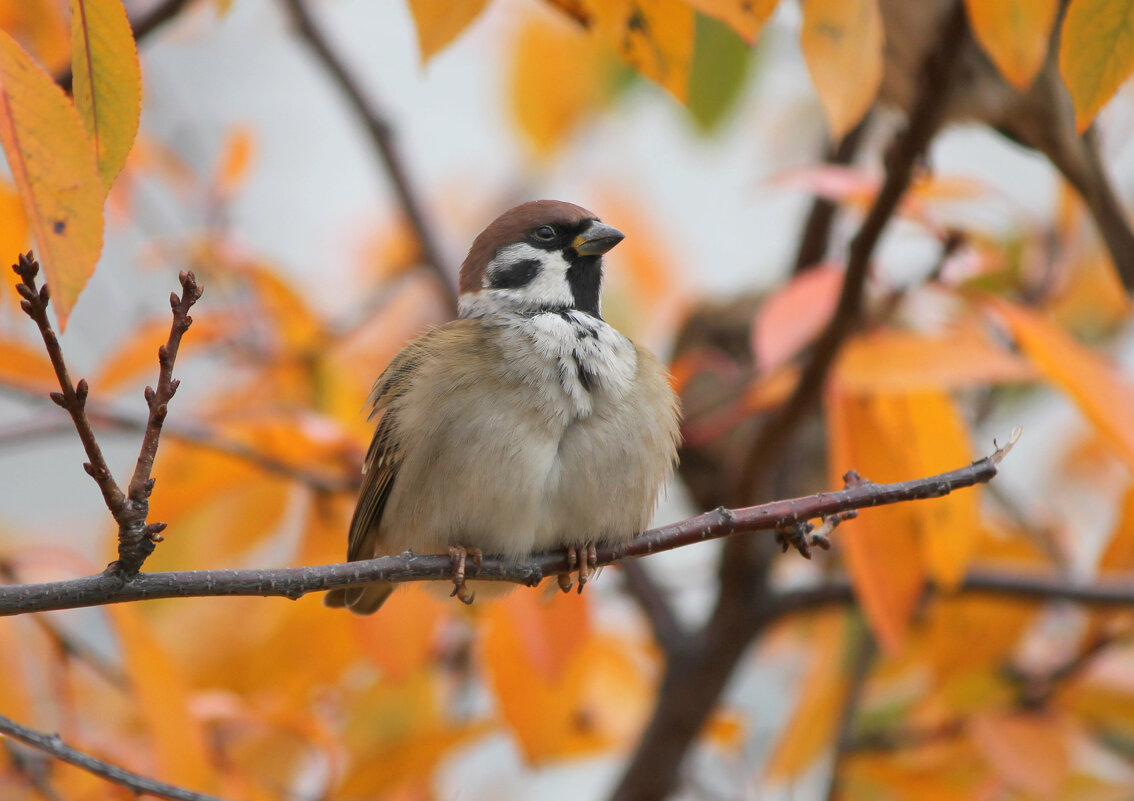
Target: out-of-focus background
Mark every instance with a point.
(905, 663)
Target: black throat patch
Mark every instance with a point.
(584, 276)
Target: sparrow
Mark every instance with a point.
(526, 424)
(1040, 117)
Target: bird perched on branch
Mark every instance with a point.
(1039, 117)
(527, 424)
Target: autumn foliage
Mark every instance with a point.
(906, 663)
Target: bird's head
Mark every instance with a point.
(542, 255)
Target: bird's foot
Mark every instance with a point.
(581, 559)
(458, 555)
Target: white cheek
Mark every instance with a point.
(548, 288)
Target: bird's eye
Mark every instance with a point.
(545, 233)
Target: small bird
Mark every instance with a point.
(526, 424)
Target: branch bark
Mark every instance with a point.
(295, 582)
(53, 745)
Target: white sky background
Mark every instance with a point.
(316, 186)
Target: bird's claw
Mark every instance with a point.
(458, 555)
(580, 558)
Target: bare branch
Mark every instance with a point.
(382, 137)
(53, 745)
(295, 582)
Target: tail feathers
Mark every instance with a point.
(365, 600)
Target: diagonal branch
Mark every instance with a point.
(294, 582)
(382, 137)
(53, 745)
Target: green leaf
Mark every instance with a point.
(720, 66)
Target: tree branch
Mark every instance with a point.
(53, 745)
(382, 137)
(295, 582)
(136, 537)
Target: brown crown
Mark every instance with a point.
(511, 227)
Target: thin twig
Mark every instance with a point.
(382, 137)
(295, 582)
(142, 27)
(53, 745)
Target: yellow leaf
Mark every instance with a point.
(1097, 387)
(108, 80)
(746, 17)
(1096, 53)
(1027, 751)
(819, 707)
(842, 44)
(546, 107)
(439, 22)
(655, 37)
(55, 172)
(1015, 34)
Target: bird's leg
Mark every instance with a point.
(458, 555)
(565, 581)
(587, 558)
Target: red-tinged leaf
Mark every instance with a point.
(1015, 34)
(161, 693)
(746, 17)
(794, 315)
(546, 108)
(842, 43)
(439, 22)
(55, 172)
(1097, 388)
(24, 366)
(1029, 752)
(107, 80)
(888, 361)
(1096, 53)
(655, 37)
(819, 708)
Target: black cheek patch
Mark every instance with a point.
(514, 275)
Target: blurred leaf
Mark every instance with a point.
(235, 160)
(889, 360)
(546, 107)
(746, 17)
(14, 238)
(55, 172)
(552, 630)
(891, 550)
(1119, 552)
(439, 22)
(842, 44)
(947, 771)
(137, 356)
(1015, 34)
(1098, 389)
(655, 37)
(403, 638)
(819, 707)
(716, 77)
(1028, 751)
(41, 28)
(794, 314)
(1096, 53)
(24, 366)
(107, 81)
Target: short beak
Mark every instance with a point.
(597, 239)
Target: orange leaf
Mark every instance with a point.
(1096, 53)
(1119, 552)
(546, 107)
(25, 366)
(1097, 387)
(746, 17)
(819, 706)
(13, 239)
(107, 80)
(401, 640)
(903, 361)
(235, 160)
(1029, 752)
(842, 43)
(1015, 34)
(137, 356)
(552, 630)
(55, 172)
(439, 22)
(655, 37)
